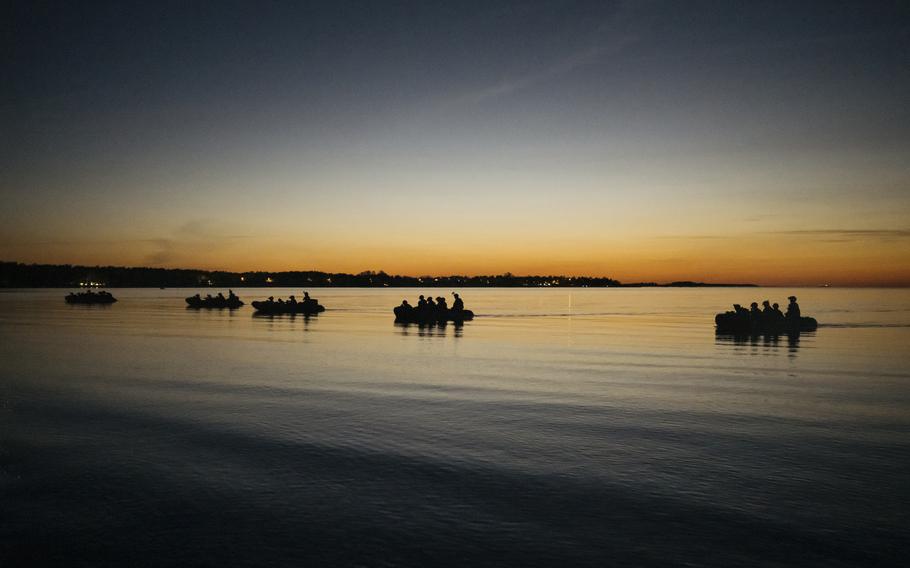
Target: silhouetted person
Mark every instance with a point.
(754, 312)
(792, 310)
(406, 306)
(271, 299)
(776, 314)
(231, 295)
(441, 306)
(208, 297)
(421, 302)
(767, 314)
(293, 300)
(220, 297)
(458, 304)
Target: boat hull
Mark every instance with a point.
(214, 303)
(730, 322)
(305, 308)
(90, 301)
(413, 315)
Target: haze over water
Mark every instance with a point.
(564, 426)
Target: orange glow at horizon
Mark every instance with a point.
(769, 260)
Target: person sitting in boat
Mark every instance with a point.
(767, 314)
(441, 306)
(293, 301)
(792, 310)
(777, 316)
(198, 297)
(271, 299)
(754, 312)
(406, 307)
(208, 297)
(231, 295)
(421, 302)
(221, 297)
(458, 304)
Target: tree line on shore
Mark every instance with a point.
(20, 275)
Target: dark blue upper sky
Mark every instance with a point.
(614, 105)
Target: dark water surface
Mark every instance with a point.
(560, 427)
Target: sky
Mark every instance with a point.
(726, 141)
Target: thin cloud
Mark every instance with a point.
(825, 235)
(617, 38)
(195, 233)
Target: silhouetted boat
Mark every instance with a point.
(418, 315)
(90, 298)
(310, 307)
(731, 322)
(196, 302)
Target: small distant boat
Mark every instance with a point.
(407, 314)
(217, 302)
(90, 297)
(731, 322)
(307, 307)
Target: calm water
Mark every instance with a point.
(560, 427)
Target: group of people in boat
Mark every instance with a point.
(769, 314)
(291, 301)
(231, 297)
(428, 309)
(427, 304)
(91, 297)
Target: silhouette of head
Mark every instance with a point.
(753, 305)
(766, 303)
(421, 296)
(792, 298)
(775, 305)
(737, 306)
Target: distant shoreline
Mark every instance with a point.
(20, 275)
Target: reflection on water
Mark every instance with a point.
(580, 427)
(439, 329)
(769, 342)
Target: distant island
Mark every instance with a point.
(20, 275)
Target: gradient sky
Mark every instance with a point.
(766, 142)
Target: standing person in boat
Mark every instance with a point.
(458, 304)
(793, 313)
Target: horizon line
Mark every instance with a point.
(506, 274)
